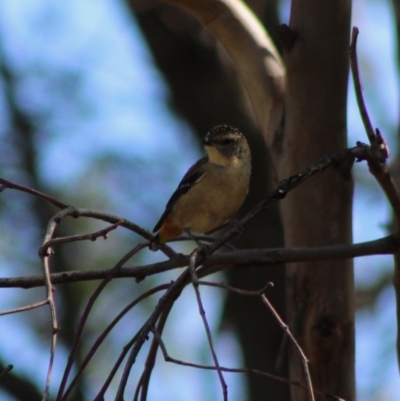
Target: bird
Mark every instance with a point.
(211, 191)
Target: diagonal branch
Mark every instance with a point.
(303, 357)
(296, 383)
(24, 308)
(172, 293)
(359, 152)
(102, 337)
(192, 267)
(85, 315)
(9, 185)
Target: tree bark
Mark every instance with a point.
(320, 296)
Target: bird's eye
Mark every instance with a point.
(226, 141)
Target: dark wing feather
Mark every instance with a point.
(192, 176)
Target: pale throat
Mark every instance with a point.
(216, 157)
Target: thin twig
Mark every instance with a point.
(125, 350)
(235, 290)
(296, 383)
(358, 87)
(43, 250)
(138, 388)
(378, 153)
(24, 308)
(54, 323)
(50, 301)
(173, 292)
(143, 386)
(377, 157)
(103, 335)
(169, 252)
(378, 168)
(277, 317)
(192, 267)
(296, 344)
(113, 219)
(5, 184)
(85, 315)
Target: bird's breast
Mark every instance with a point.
(214, 199)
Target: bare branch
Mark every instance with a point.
(84, 213)
(85, 315)
(103, 335)
(9, 185)
(303, 357)
(144, 381)
(192, 267)
(73, 238)
(288, 184)
(110, 218)
(296, 383)
(50, 301)
(378, 153)
(377, 156)
(210, 263)
(246, 257)
(261, 293)
(171, 294)
(238, 291)
(358, 88)
(24, 308)
(125, 350)
(387, 245)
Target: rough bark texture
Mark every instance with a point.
(320, 296)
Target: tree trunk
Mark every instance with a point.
(320, 296)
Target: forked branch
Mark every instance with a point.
(378, 155)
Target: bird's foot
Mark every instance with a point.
(202, 248)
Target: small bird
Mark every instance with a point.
(211, 191)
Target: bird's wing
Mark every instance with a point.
(192, 177)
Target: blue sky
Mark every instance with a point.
(120, 110)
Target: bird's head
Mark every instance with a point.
(226, 145)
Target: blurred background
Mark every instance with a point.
(102, 104)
